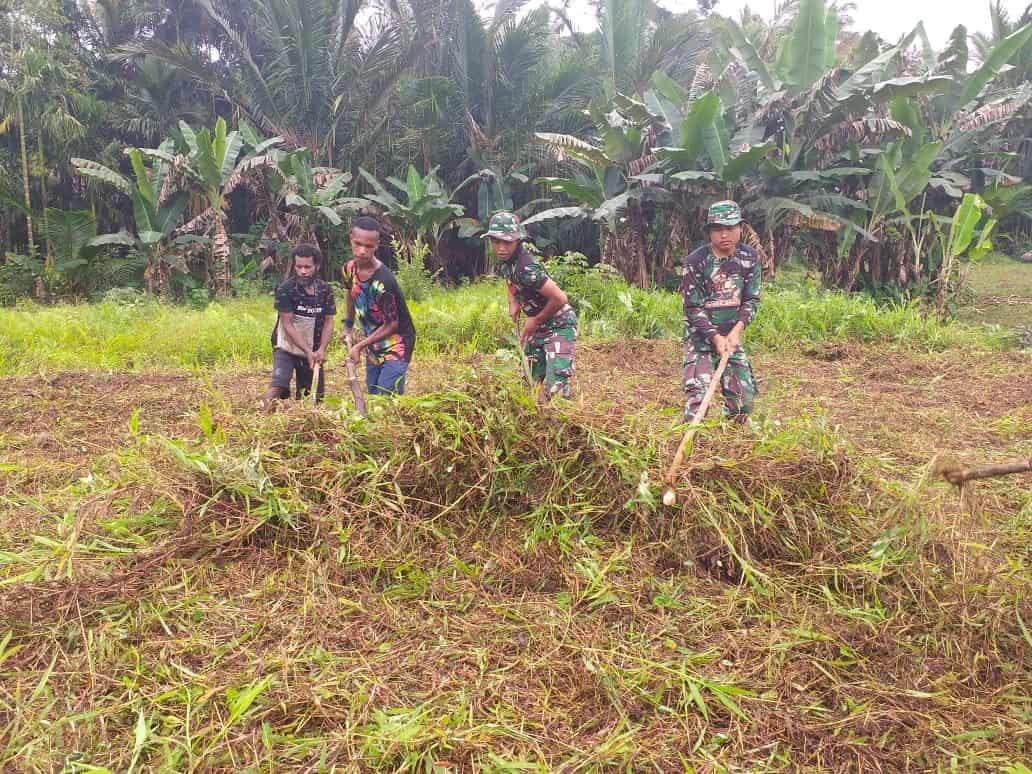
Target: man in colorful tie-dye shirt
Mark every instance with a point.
(375, 299)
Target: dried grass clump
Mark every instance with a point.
(469, 582)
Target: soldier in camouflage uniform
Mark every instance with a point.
(550, 331)
(721, 291)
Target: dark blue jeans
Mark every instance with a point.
(386, 379)
(285, 365)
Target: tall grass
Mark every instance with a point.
(472, 318)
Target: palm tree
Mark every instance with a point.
(1003, 26)
(427, 211)
(313, 195)
(639, 37)
(41, 94)
(303, 69)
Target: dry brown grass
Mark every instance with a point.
(464, 583)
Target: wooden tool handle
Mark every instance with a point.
(524, 364)
(316, 374)
(356, 388)
(699, 416)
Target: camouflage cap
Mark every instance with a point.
(725, 213)
(505, 226)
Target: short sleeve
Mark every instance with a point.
(532, 276)
(285, 301)
(388, 300)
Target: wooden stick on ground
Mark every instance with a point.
(959, 475)
(670, 496)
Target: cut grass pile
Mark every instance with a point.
(466, 583)
(148, 335)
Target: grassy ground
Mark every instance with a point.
(464, 582)
(148, 336)
(1001, 289)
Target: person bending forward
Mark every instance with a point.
(549, 332)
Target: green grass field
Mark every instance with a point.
(1001, 294)
(148, 335)
(467, 582)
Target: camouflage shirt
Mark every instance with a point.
(719, 292)
(527, 276)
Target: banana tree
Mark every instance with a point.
(157, 205)
(843, 118)
(427, 211)
(214, 165)
(959, 243)
(611, 185)
(700, 165)
(492, 192)
(314, 194)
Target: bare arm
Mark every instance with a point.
(379, 334)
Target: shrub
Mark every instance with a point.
(415, 279)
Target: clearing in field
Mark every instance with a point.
(468, 582)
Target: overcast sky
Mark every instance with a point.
(889, 18)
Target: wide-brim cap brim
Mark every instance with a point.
(505, 236)
(725, 222)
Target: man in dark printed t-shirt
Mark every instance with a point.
(375, 299)
(550, 329)
(304, 327)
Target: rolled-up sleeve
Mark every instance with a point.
(750, 295)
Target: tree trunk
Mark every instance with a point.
(942, 291)
(25, 174)
(156, 277)
(956, 475)
(680, 234)
(752, 239)
(625, 251)
(48, 256)
(781, 246)
(220, 250)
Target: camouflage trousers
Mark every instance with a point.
(737, 385)
(550, 355)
